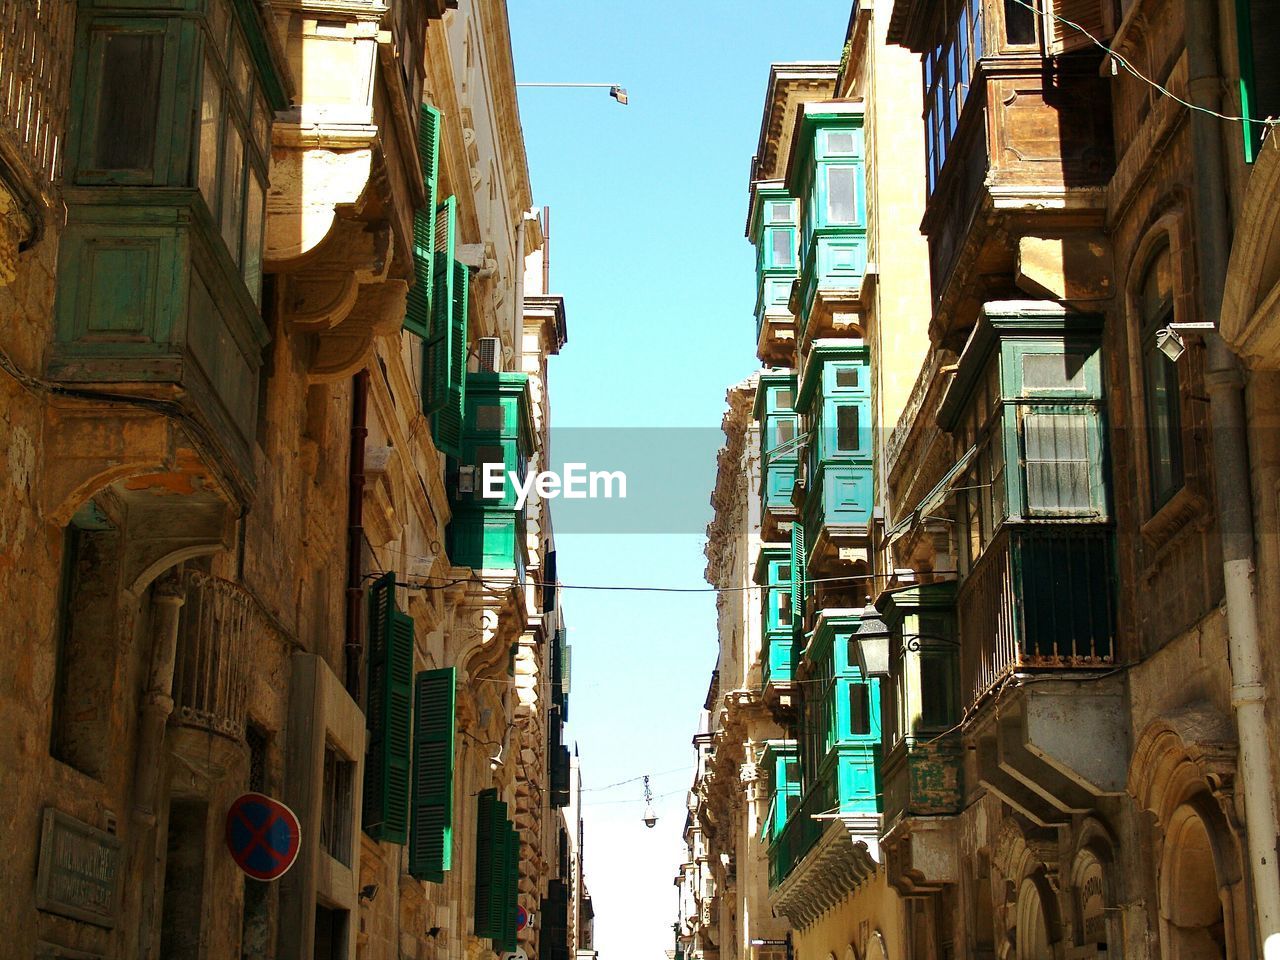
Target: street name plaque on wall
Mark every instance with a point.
(79, 870)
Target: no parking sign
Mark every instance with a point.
(263, 836)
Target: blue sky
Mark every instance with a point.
(648, 209)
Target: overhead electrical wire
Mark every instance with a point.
(1270, 122)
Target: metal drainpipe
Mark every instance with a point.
(1231, 470)
(355, 529)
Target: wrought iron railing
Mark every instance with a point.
(1040, 596)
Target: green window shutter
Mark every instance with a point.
(487, 836)
(798, 585)
(448, 420)
(436, 350)
(511, 900)
(389, 715)
(431, 830)
(498, 878)
(417, 318)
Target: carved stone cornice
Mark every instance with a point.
(728, 499)
(846, 855)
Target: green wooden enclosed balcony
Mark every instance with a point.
(161, 258)
(1032, 498)
(923, 769)
(781, 763)
(777, 614)
(839, 740)
(836, 497)
(773, 230)
(826, 173)
(488, 533)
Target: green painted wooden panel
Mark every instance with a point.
(436, 349)
(431, 830)
(418, 306)
(489, 825)
(447, 422)
(389, 715)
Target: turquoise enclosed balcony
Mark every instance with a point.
(839, 743)
(777, 614)
(773, 230)
(826, 173)
(781, 764)
(779, 449)
(488, 533)
(837, 493)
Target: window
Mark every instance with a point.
(1019, 23)
(841, 143)
(1161, 395)
(784, 432)
(782, 244)
(783, 400)
(948, 72)
(336, 805)
(233, 129)
(1056, 450)
(782, 212)
(842, 195)
(846, 428)
(847, 377)
(937, 689)
(859, 709)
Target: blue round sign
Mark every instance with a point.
(263, 836)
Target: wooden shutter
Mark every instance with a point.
(417, 317)
(431, 830)
(548, 579)
(448, 420)
(1086, 14)
(498, 873)
(487, 833)
(389, 715)
(798, 584)
(511, 892)
(436, 351)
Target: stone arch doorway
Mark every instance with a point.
(1032, 937)
(1183, 774)
(1192, 904)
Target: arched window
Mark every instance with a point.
(1160, 383)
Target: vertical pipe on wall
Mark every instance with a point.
(355, 530)
(1233, 493)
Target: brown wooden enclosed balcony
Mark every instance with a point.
(1039, 598)
(1019, 151)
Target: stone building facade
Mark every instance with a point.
(1044, 596)
(262, 275)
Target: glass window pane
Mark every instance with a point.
(847, 377)
(238, 70)
(786, 432)
(262, 126)
(782, 248)
(1019, 23)
(219, 20)
(1057, 458)
(841, 205)
(847, 427)
(859, 709)
(232, 189)
(780, 212)
(255, 216)
(783, 608)
(207, 160)
(784, 400)
(1164, 425)
(1052, 371)
(937, 689)
(128, 101)
(840, 143)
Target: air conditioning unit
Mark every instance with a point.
(490, 355)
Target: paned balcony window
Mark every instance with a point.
(948, 76)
